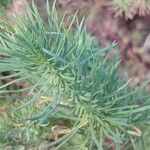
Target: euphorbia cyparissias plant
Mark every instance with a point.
(76, 75)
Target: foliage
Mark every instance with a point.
(124, 8)
(4, 2)
(15, 129)
(130, 7)
(78, 78)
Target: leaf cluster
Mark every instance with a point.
(130, 8)
(77, 77)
